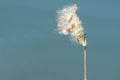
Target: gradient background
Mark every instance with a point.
(31, 49)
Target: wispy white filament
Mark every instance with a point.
(70, 24)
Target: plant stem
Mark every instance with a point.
(85, 64)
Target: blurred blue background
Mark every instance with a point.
(31, 49)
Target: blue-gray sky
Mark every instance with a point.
(31, 49)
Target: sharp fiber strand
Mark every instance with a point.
(70, 24)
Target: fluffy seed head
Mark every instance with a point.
(70, 24)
